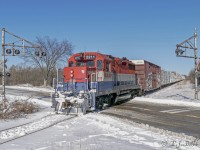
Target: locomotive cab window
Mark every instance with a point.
(108, 66)
(79, 64)
(71, 64)
(131, 67)
(99, 64)
(90, 63)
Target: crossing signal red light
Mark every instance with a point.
(17, 52)
(8, 51)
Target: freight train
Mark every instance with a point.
(92, 80)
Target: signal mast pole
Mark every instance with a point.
(196, 64)
(188, 45)
(4, 70)
(16, 51)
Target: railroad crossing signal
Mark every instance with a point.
(40, 54)
(12, 49)
(197, 74)
(7, 74)
(182, 51)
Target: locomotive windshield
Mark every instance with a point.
(90, 63)
(99, 64)
(87, 63)
(71, 64)
(79, 64)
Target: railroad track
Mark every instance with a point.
(13, 133)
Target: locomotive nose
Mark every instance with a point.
(79, 74)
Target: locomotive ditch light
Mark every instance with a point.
(71, 73)
(8, 51)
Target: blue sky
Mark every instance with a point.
(142, 29)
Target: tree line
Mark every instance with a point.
(41, 69)
(29, 75)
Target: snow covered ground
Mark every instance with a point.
(96, 131)
(180, 94)
(31, 88)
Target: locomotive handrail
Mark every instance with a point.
(91, 80)
(95, 78)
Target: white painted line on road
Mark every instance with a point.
(193, 116)
(174, 111)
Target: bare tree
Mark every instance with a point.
(56, 54)
(21, 74)
(191, 76)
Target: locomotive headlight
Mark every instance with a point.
(71, 73)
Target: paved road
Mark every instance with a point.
(173, 118)
(23, 92)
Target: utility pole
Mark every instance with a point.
(10, 49)
(188, 45)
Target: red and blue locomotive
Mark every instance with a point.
(101, 79)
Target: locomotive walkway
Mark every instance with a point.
(172, 118)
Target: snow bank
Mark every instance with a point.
(31, 88)
(179, 94)
(167, 101)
